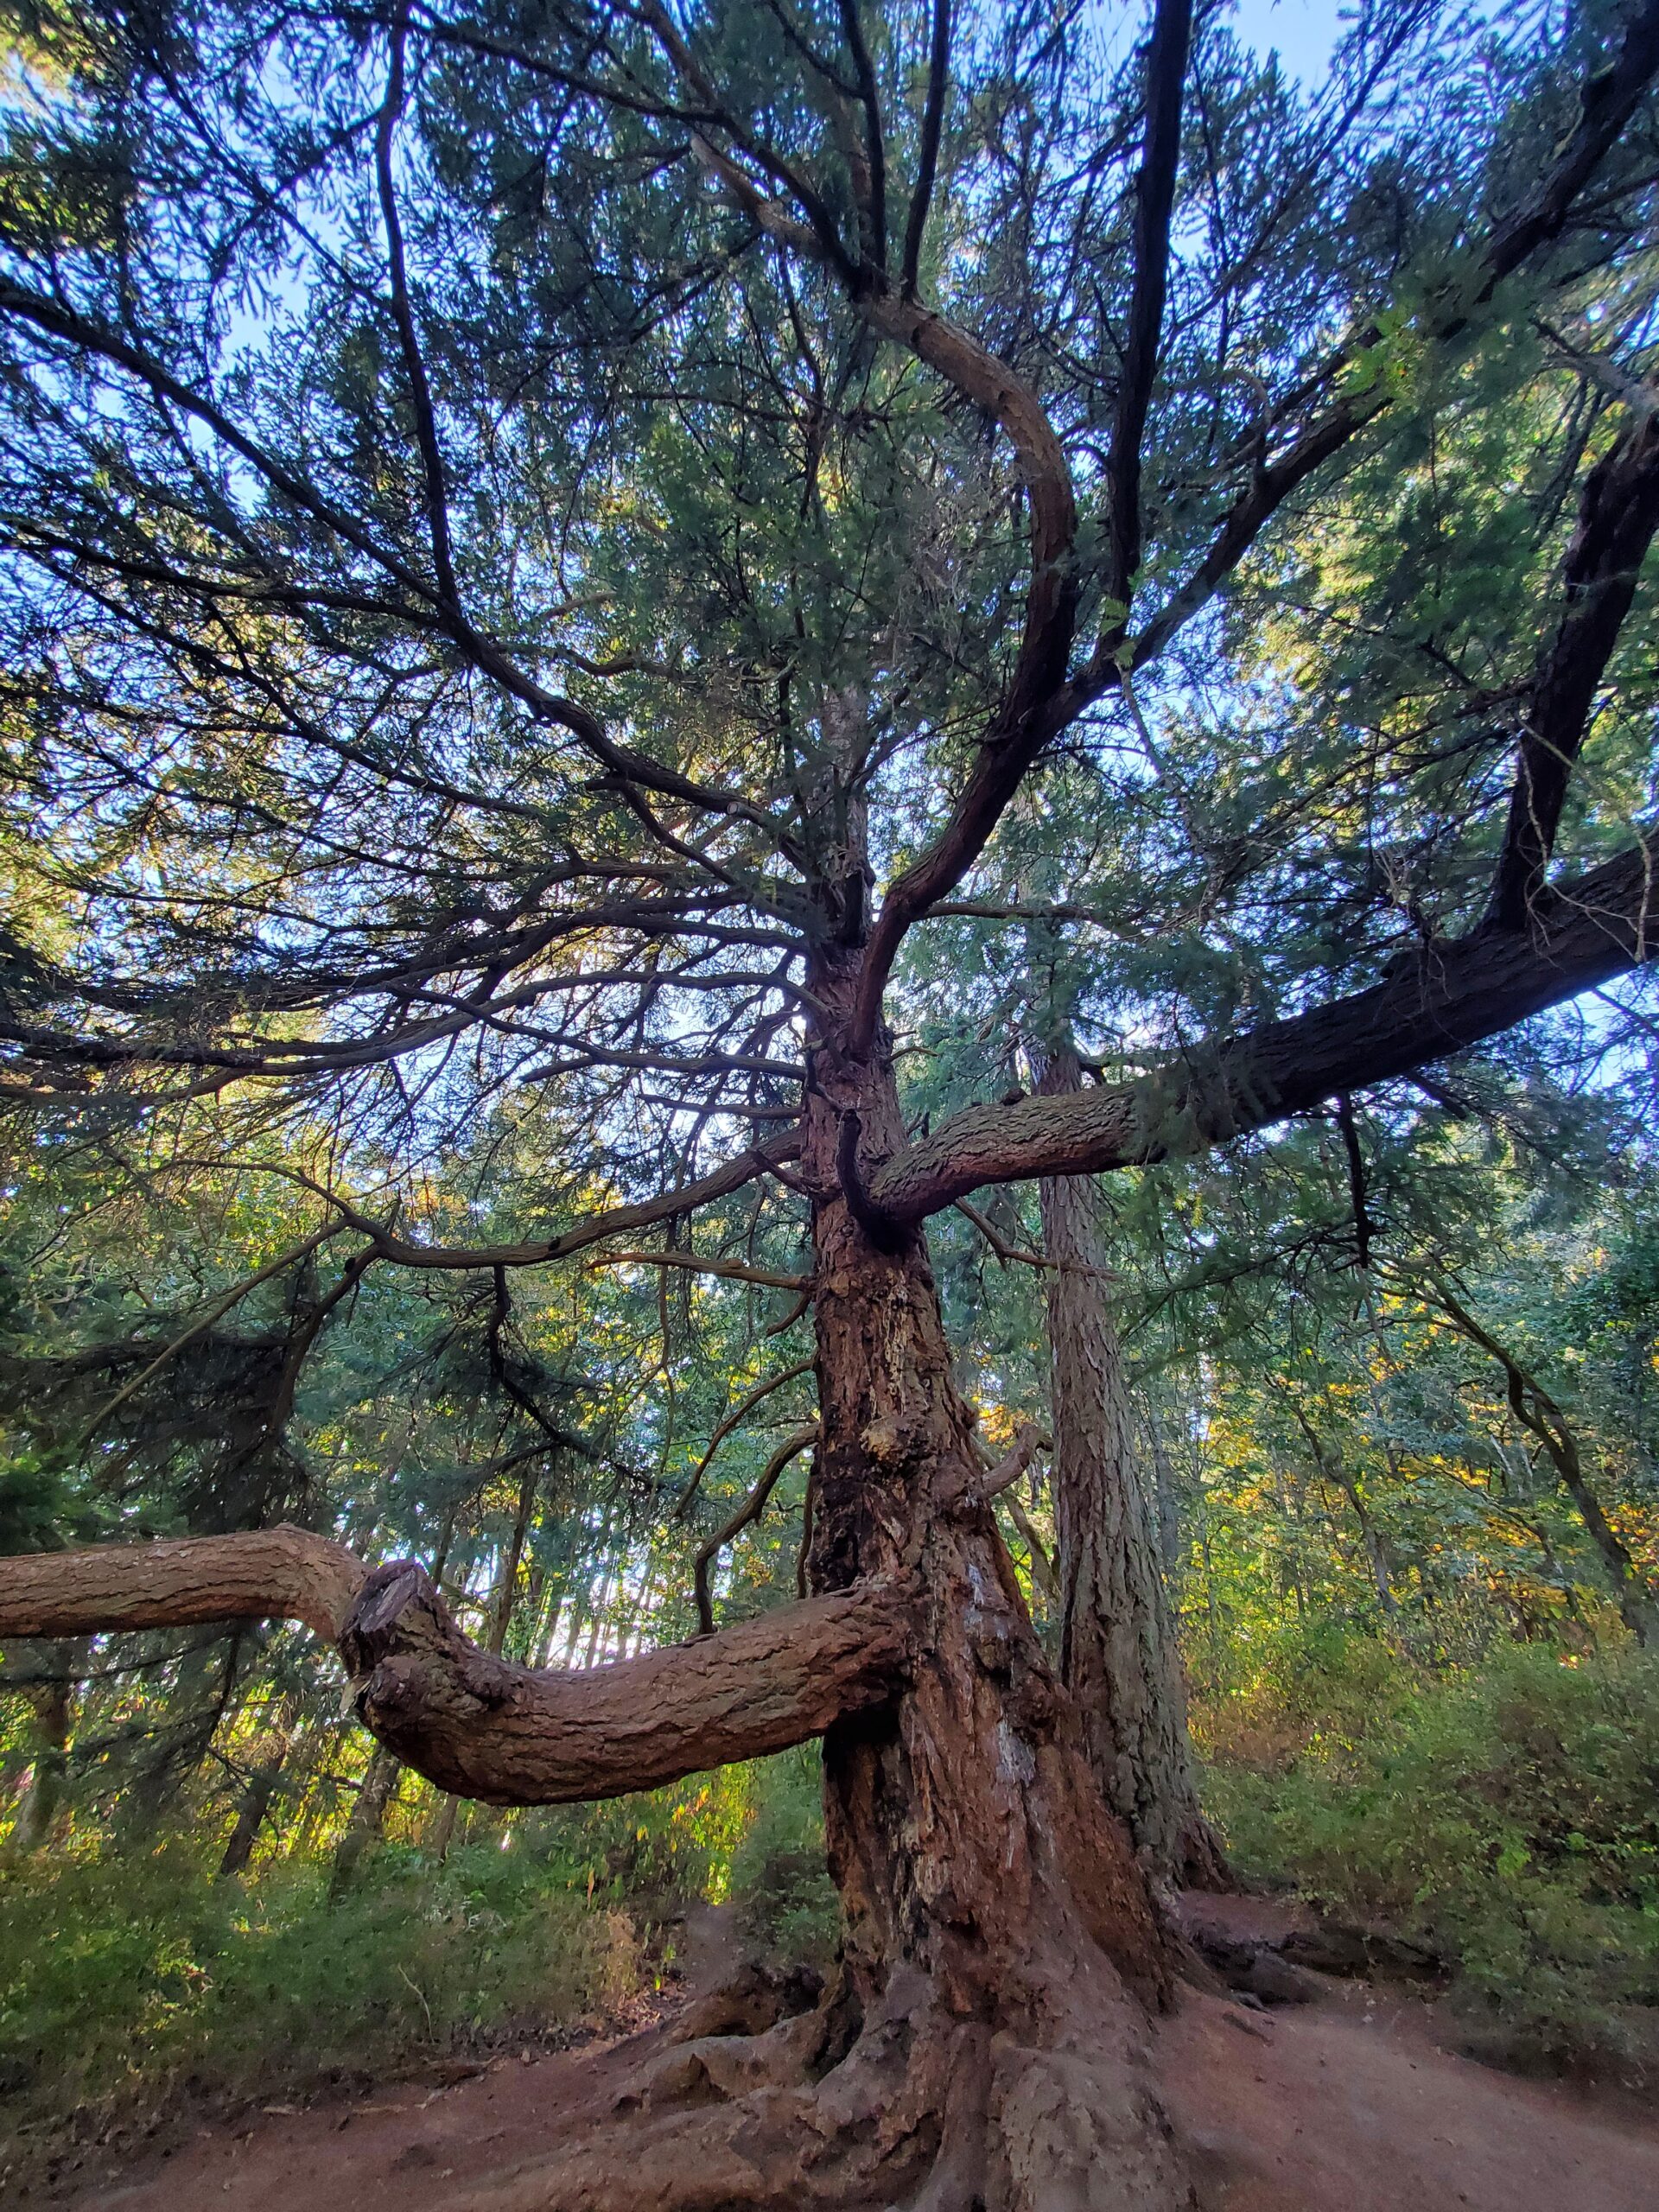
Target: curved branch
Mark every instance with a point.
(481, 1727)
(1439, 999)
(473, 1724)
(751, 1510)
(739, 1412)
(1618, 515)
(614, 1221)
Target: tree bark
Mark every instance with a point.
(262, 1786)
(1118, 1653)
(981, 2042)
(54, 1709)
(990, 1898)
(367, 1823)
(1436, 1000)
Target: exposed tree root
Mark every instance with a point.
(914, 2111)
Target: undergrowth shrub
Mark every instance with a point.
(778, 1879)
(132, 1983)
(124, 1979)
(1508, 1815)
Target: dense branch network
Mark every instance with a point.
(507, 683)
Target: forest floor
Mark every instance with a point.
(1349, 2103)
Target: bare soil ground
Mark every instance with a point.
(1347, 2104)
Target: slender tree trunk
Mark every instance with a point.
(1118, 1653)
(367, 1822)
(262, 1786)
(1538, 1412)
(61, 1661)
(441, 1833)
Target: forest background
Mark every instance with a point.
(1390, 1366)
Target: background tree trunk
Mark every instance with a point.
(61, 1661)
(367, 1822)
(1118, 1653)
(255, 1804)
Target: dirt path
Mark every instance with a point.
(1347, 2105)
(1343, 2104)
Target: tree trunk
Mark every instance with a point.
(1118, 1655)
(1538, 1412)
(367, 1822)
(991, 1902)
(54, 1709)
(250, 1814)
(979, 2044)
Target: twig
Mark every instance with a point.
(736, 1270)
(724, 1428)
(751, 1510)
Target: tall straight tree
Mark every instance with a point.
(1118, 1653)
(544, 541)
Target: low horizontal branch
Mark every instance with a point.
(281, 1573)
(470, 1722)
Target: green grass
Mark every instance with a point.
(1507, 1814)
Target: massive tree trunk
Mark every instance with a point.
(1118, 1653)
(994, 1908)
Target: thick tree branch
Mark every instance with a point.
(1023, 722)
(283, 1573)
(471, 1723)
(1619, 514)
(875, 206)
(1154, 199)
(1439, 999)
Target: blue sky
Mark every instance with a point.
(1302, 31)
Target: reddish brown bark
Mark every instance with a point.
(468, 1720)
(991, 1900)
